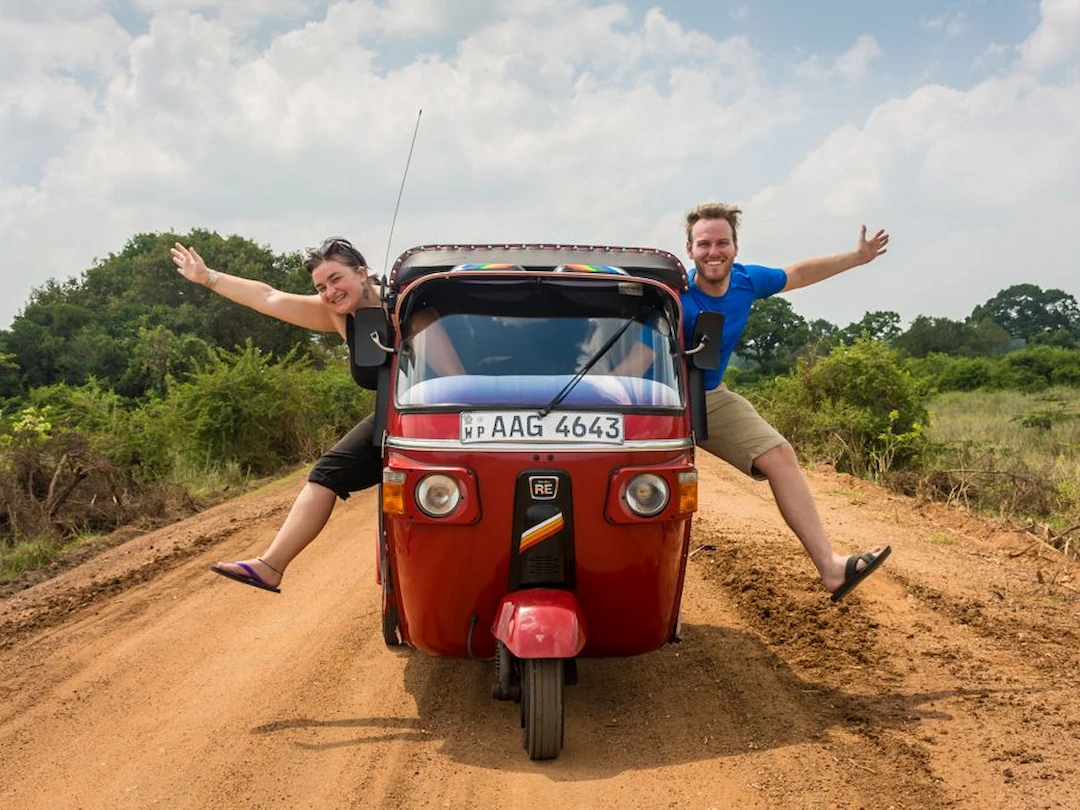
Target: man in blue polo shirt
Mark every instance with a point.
(737, 433)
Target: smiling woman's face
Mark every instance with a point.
(339, 286)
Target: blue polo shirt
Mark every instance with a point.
(748, 283)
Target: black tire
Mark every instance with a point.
(391, 631)
(542, 706)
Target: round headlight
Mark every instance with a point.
(437, 495)
(647, 494)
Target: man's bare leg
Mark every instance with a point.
(306, 518)
(796, 505)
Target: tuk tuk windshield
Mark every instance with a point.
(525, 361)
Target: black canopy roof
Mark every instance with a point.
(659, 265)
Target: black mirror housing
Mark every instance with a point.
(368, 345)
(705, 349)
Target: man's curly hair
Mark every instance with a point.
(714, 211)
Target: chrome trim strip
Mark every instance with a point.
(403, 443)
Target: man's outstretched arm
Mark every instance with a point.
(811, 271)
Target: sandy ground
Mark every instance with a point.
(949, 679)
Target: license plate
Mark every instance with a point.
(528, 426)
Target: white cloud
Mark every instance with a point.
(52, 74)
(56, 10)
(49, 100)
(1057, 39)
(91, 44)
(552, 119)
(853, 65)
(974, 186)
(530, 124)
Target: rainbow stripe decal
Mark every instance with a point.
(489, 266)
(593, 268)
(541, 532)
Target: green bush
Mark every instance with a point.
(53, 481)
(341, 403)
(1032, 369)
(1037, 368)
(131, 435)
(965, 374)
(241, 407)
(858, 408)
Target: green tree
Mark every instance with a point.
(774, 336)
(928, 335)
(104, 324)
(9, 375)
(823, 334)
(160, 354)
(879, 325)
(984, 338)
(1029, 312)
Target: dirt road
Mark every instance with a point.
(949, 679)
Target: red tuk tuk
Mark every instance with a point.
(536, 503)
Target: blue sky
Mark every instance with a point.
(955, 125)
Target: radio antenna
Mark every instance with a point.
(397, 205)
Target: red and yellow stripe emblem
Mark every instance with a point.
(541, 531)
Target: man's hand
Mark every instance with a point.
(811, 271)
(869, 249)
(190, 264)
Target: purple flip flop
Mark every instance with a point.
(251, 578)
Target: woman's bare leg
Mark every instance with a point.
(306, 518)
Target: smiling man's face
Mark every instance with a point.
(713, 250)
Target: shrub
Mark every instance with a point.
(131, 436)
(1037, 368)
(53, 483)
(965, 374)
(341, 403)
(858, 408)
(241, 407)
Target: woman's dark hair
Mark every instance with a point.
(335, 248)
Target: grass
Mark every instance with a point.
(1040, 430)
(1012, 453)
(27, 555)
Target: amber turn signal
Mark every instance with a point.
(393, 492)
(687, 492)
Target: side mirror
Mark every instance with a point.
(368, 346)
(705, 351)
(371, 336)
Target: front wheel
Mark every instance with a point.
(391, 629)
(542, 706)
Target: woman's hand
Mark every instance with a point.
(190, 264)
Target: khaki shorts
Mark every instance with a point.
(737, 433)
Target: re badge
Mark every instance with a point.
(543, 487)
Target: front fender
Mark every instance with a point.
(540, 623)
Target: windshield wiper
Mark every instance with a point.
(592, 361)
